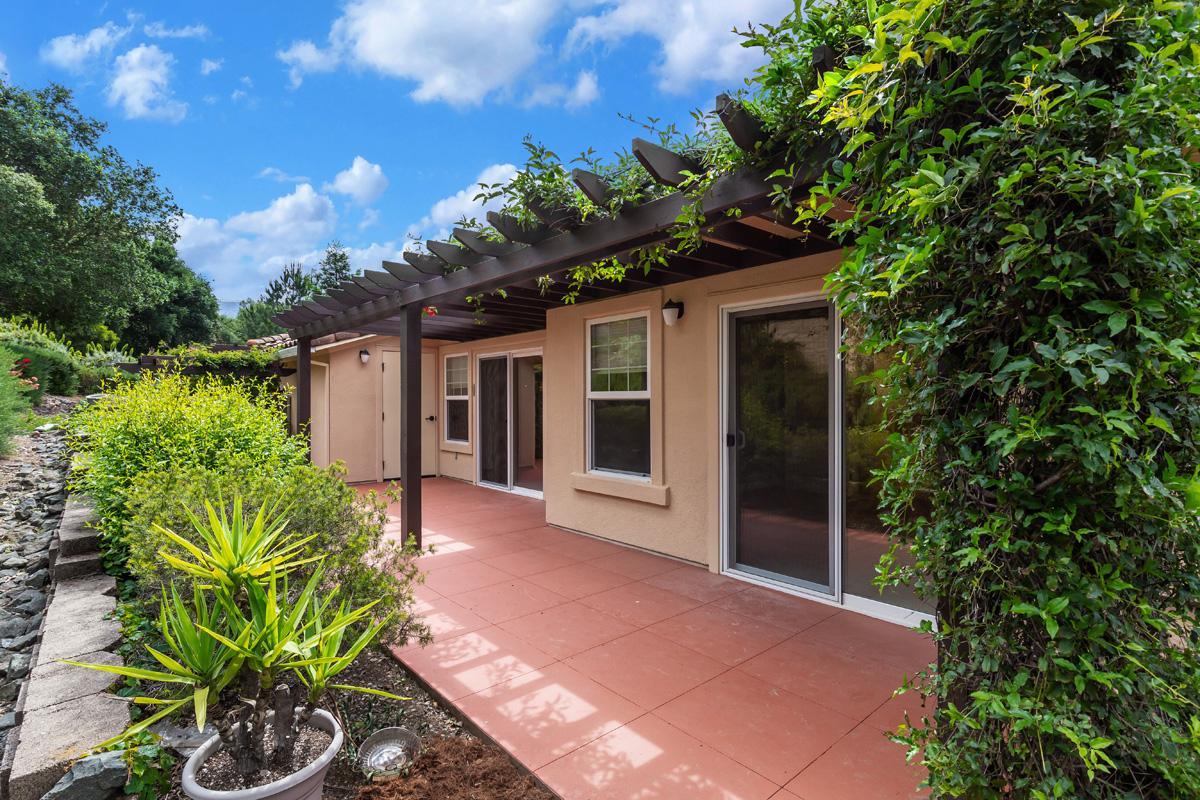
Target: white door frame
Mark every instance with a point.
(508, 356)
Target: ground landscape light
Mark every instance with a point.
(672, 312)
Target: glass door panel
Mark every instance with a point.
(779, 473)
(866, 537)
(493, 421)
(527, 422)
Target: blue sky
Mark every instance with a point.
(280, 126)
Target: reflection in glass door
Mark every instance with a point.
(779, 435)
(493, 420)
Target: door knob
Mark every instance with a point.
(430, 418)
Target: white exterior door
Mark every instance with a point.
(391, 414)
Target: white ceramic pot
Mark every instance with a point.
(303, 785)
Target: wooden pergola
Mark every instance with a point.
(392, 301)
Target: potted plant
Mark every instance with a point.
(255, 634)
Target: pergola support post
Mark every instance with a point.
(410, 419)
(304, 390)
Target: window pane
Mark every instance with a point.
(456, 376)
(619, 355)
(621, 436)
(456, 420)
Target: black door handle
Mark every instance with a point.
(430, 418)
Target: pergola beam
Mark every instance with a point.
(483, 246)
(406, 272)
(638, 226)
(453, 254)
(664, 165)
(514, 230)
(430, 265)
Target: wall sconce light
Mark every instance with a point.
(672, 311)
(364, 355)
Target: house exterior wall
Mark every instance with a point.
(677, 511)
(348, 420)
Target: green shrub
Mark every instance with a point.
(166, 420)
(347, 528)
(55, 371)
(52, 360)
(14, 400)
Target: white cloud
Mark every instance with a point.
(445, 213)
(210, 65)
(243, 252)
(363, 181)
(159, 30)
(456, 51)
(696, 36)
(585, 91)
(141, 85)
(276, 174)
(305, 57)
(237, 94)
(369, 218)
(74, 51)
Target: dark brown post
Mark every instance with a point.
(304, 388)
(410, 419)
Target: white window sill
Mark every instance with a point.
(456, 447)
(625, 488)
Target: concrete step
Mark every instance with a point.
(76, 536)
(80, 566)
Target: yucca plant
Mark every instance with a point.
(197, 660)
(256, 632)
(236, 551)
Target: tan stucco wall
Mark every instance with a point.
(458, 460)
(353, 415)
(685, 412)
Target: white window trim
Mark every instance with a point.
(457, 398)
(590, 395)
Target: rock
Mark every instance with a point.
(12, 627)
(37, 580)
(183, 739)
(97, 777)
(8, 720)
(32, 605)
(19, 642)
(18, 666)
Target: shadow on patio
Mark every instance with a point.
(613, 673)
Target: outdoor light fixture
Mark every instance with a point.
(672, 312)
(364, 355)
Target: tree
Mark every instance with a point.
(292, 286)
(333, 268)
(186, 313)
(76, 219)
(253, 320)
(1026, 248)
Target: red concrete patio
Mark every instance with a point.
(613, 673)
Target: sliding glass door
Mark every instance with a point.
(779, 436)
(510, 421)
